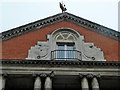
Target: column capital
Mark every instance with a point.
(35, 74)
(86, 75)
(4, 75)
(97, 76)
(43, 75)
(81, 75)
(52, 74)
(90, 76)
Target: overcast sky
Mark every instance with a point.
(14, 13)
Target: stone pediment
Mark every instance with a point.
(57, 18)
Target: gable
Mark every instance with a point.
(17, 48)
(58, 18)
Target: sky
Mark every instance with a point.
(14, 13)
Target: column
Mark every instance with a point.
(2, 82)
(95, 84)
(48, 83)
(84, 83)
(37, 83)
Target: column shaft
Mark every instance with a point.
(48, 83)
(95, 84)
(37, 84)
(2, 82)
(84, 84)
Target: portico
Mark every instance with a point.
(58, 77)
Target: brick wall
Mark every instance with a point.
(17, 48)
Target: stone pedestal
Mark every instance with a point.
(95, 84)
(84, 84)
(48, 83)
(37, 84)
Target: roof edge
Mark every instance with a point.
(57, 18)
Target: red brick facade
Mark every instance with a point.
(17, 48)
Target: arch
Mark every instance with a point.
(65, 33)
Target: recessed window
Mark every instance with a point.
(65, 42)
(65, 51)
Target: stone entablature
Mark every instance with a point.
(101, 64)
(90, 74)
(42, 51)
(105, 68)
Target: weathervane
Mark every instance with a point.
(62, 6)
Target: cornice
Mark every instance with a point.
(62, 63)
(57, 18)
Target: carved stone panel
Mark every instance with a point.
(39, 51)
(42, 51)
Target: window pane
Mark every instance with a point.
(70, 38)
(65, 35)
(61, 47)
(60, 38)
(65, 52)
(70, 47)
(70, 52)
(61, 52)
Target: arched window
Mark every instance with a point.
(65, 45)
(65, 35)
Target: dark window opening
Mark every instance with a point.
(66, 51)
